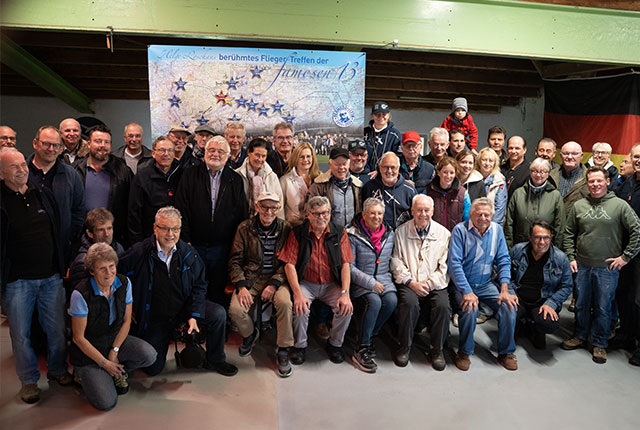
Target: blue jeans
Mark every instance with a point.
(376, 311)
(596, 288)
(98, 385)
(487, 294)
(20, 298)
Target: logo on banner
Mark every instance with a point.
(343, 116)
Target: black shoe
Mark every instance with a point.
(64, 379)
(284, 367)
(372, 350)
(437, 360)
(622, 341)
(223, 368)
(635, 358)
(297, 355)
(401, 358)
(335, 353)
(247, 344)
(539, 340)
(363, 360)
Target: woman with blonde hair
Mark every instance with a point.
(300, 173)
(488, 164)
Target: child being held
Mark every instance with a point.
(460, 119)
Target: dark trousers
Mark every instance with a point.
(540, 324)
(628, 299)
(216, 260)
(159, 334)
(436, 305)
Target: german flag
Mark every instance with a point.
(604, 109)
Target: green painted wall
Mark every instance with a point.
(494, 27)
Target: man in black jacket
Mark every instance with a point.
(133, 152)
(211, 199)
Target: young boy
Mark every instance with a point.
(460, 119)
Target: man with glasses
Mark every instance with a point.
(254, 269)
(211, 198)
(133, 152)
(278, 158)
(152, 188)
(569, 176)
(168, 286)
(413, 167)
(7, 137)
(358, 160)
(317, 256)
(183, 153)
(541, 278)
(46, 171)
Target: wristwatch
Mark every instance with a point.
(345, 291)
(116, 349)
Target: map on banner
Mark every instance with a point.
(318, 92)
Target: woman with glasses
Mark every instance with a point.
(301, 171)
(601, 157)
(488, 164)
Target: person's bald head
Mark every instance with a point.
(389, 168)
(571, 154)
(70, 131)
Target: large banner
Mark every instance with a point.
(318, 92)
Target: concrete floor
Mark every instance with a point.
(552, 389)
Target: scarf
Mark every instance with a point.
(342, 183)
(374, 236)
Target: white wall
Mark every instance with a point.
(26, 114)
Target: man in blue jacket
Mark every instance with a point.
(477, 247)
(168, 282)
(541, 278)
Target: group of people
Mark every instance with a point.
(136, 244)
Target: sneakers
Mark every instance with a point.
(401, 358)
(322, 331)
(297, 355)
(335, 353)
(508, 361)
(247, 344)
(463, 361)
(223, 368)
(363, 360)
(284, 367)
(122, 384)
(482, 318)
(599, 355)
(437, 360)
(65, 379)
(454, 320)
(571, 344)
(29, 393)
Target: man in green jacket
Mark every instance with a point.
(596, 228)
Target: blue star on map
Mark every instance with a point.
(242, 102)
(289, 119)
(202, 120)
(180, 84)
(262, 111)
(175, 101)
(252, 105)
(232, 83)
(183, 125)
(234, 118)
(255, 72)
(277, 107)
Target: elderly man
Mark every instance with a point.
(515, 170)
(45, 171)
(569, 176)
(99, 229)
(317, 256)
(183, 153)
(278, 158)
(602, 158)
(390, 187)
(358, 160)
(152, 188)
(496, 136)
(7, 137)
(413, 167)
(478, 248)
(167, 277)
(342, 189)
(438, 145)
(235, 134)
(133, 152)
(541, 278)
(29, 227)
(106, 179)
(254, 269)
(202, 134)
(74, 148)
(211, 198)
(601, 237)
(419, 267)
(546, 149)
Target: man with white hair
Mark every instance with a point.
(569, 177)
(419, 267)
(602, 158)
(438, 145)
(74, 147)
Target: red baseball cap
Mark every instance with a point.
(410, 136)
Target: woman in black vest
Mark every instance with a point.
(450, 199)
(102, 352)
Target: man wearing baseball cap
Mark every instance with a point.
(203, 133)
(413, 168)
(184, 154)
(358, 160)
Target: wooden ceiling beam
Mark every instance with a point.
(460, 89)
(89, 56)
(406, 105)
(473, 101)
(569, 69)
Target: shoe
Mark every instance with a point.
(539, 340)
(621, 341)
(223, 368)
(372, 351)
(572, 304)
(599, 355)
(571, 344)
(482, 318)
(247, 344)
(335, 353)
(284, 367)
(29, 393)
(454, 320)
(463, 361)
(65, 379)
(322, 331)
(437, 360)
(122, 384)
(297, 355)
(364, 361)
(635, 358)
(401, 358)
(508, 361)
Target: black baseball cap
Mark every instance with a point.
(338, 152)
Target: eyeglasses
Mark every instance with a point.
(168, 229)
(284, 137)
(571, 154)
(215, 151)
(389, 167)
(272, 209)
(9, 138)
(165, 150)
(541, 238)
(601, 153)
(324, 214)
(133, 136)
(539, 172)
(55, 146)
